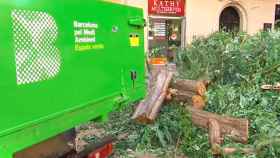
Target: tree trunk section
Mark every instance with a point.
(237, 129)
(206, 83)
(197, 87)
(191, 98)
(247, 151)
(157, 105)
(148, 109)
(215, 136)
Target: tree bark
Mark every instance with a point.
(237, 129)
(142, 109)
(275, 87)
(197, 87)
(229, 151)
(157, 105)
(206, 83)
(220, 151)
(215, 136)
(148, 109)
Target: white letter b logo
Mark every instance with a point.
(35, 34)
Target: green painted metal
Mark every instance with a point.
(63, 63)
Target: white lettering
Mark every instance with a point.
(172, 4)
(85, 25)
(89, 32)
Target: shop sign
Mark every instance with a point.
(166, 7)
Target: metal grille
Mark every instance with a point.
(35, 34)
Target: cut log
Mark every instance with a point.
(157, 105)
(148, 109)
(237, 129)
(191, 98)
(275, 87)
(197, 87)
(215, 136)
(229, 151)
(267, 87)
(220, 151)
(206, 83)
(170, 93)
(144, 107)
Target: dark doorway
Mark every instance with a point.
(277, 16)
(230, 20)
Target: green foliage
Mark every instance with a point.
(238, 66)
(163, 138)
(261, 108)
(232, 59)
(157, 52)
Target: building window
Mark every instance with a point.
(230, 20)
(267, 26)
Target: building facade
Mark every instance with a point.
(177, 22)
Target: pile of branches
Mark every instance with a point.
(238, 66)
(225, 58)
(163, 139)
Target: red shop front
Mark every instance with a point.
(166, 28)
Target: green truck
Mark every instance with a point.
(64, 63)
